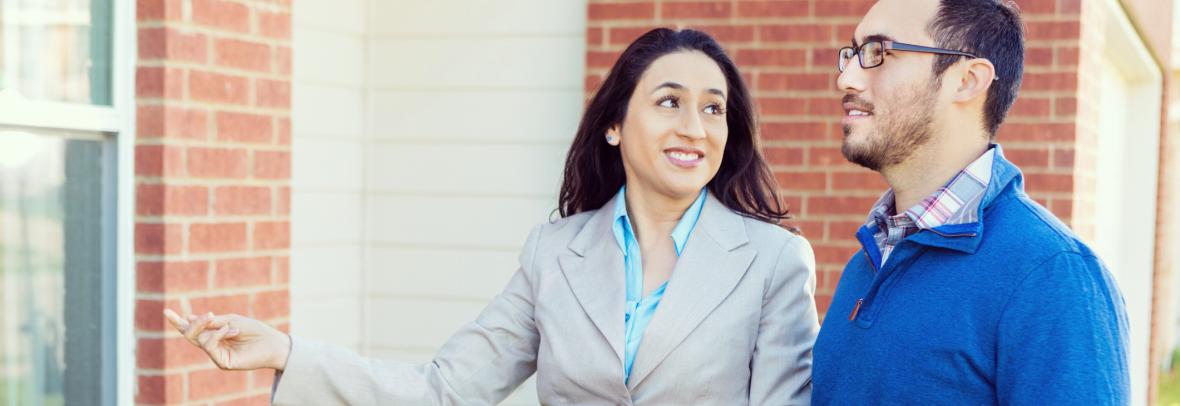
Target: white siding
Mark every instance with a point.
(327, 174)
(428, 140)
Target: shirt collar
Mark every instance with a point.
(955, 203)
(623, 230)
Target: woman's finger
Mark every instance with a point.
(196, 328)
(210, 343)
(180, 324)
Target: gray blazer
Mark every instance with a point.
(735, 326)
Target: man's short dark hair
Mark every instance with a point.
(989, 29)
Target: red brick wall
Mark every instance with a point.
(787, 51)
(212, 185)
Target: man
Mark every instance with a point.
(966, 291)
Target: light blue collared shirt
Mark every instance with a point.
(640, 309)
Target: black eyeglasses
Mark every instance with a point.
(872, 53)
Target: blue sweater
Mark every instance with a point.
(1013, 309)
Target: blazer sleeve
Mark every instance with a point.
(780, 371)
(482, 363)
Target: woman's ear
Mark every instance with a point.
(978, 77)
(612, 136)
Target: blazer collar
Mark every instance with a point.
(711, 266)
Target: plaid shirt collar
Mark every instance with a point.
(955, 203)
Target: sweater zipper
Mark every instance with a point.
(856, 308)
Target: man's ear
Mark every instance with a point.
(978, 76)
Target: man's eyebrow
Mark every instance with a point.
(873, 37)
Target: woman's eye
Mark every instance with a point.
(714, 110)
(669, 102)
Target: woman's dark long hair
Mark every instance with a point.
(594, 169)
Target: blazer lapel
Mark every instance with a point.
(713, 262)
(594, 271)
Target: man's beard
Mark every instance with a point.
(894, 136)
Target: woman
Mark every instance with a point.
(605, 307)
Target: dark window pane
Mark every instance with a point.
(55, 286)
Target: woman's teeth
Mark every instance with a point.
(683, 156)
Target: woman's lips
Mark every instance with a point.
(683, 157)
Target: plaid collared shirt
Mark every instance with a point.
(955, 203)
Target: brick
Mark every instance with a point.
(272, 235)
(283, 201)
(1050, 182)
(1052, 30)
(843, 8)
(218, 88)
(282, 270)
(186, 123)
(241, 200)
(1031, 107)
(172, 276)
(1028, 7)
(601, 59)
(283, 131)
(1038, 56)
(1066, 106)
(210, 383)
(271, 304)
(621, 11)
(1063, 158)
(244, 127)
(275, 25)
(802, 180)
(833, 254)
(149, 314)
(282, 62)
(696, 9)
(172, 352)
(796, 81)
(773, 8)
(595, 37)
(158, 160)
(159, 389)
(794, 131)
(248, 55)
(625, 35)
(224, 15)
(158, 10)
(861, 180)
(1065, 81)
(161, 199)
(726, 34)
(768, 106)
(272, 93)
(764, 57)
(797, 33)
(217, 237)
(157, 238)
(159, 82)
(825, 205)
(217, 163)
(272, 165)
(1028, 158)
(172, 44)
(222, 304)
(1037, 132)
(149, 121)
(242, 272)
(783, 156)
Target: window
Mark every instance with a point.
(65, 282)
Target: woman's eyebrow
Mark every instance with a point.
(671, 85)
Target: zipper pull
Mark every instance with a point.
(855, 309)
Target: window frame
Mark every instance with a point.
(116, 123)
